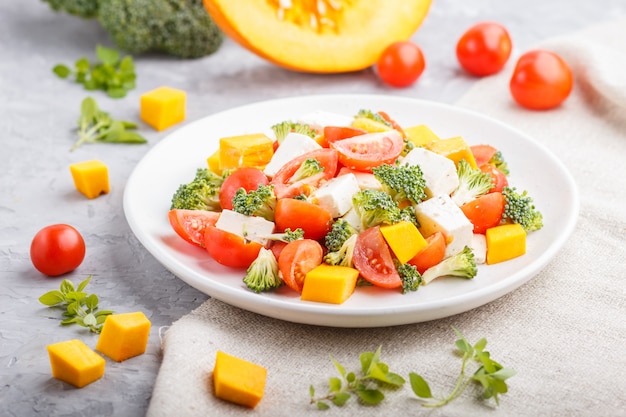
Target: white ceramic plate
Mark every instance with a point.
(175, 159)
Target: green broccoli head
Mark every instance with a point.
(262, 274)
(287, 235)
(462, 265)
(519, 208)
(343, 255)
(473, 183)
(411, 278)
(181, 28)
(498, 161)
(402, 182)
(260, 202)
(339, 232)
(282, 129)
(375, 208)
(309, 167)
(203, 193)
(87, 9)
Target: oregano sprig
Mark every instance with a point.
(80, 308)
(111, 73)
(367, 386)
(489, 373)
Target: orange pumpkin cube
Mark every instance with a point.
(124, 336)
(162, 107)
(76, 363)
(91, 178)
(238, 381)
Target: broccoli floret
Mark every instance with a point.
(342, 256)
(375, 207)
(411, 278)
(262, 274)
(260, 202)
(407, 214)
(182, 28)
(203, 193)
(368, 114)
(519, 208)
(461, 265)
(402, 182)
(472, 183)
(282, 129)
(498, 161)
(309, 167)
(287, 236)
(339, 232)
(87, 9)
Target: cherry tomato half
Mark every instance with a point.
(335, 133)
(497, 177)
(248, 178)
(364, 152)
(484, 49)
(373, 259)
(541, 80)
(190, 224)
(485, 211)
(432, 254)
(57, 249)
(401, 64)
(296, 259)
(284, 188)
(229, 249)
(314, 220)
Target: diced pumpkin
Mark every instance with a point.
(455, 148)
(505, 242)
(404, 240)
(163, 107)
(124, 336)
(369, 125)
(329, 284)
(238, 381)
(213, 162)
(91, 178)
(318, 36)
(74, 362)
(252, 150)
(420, 135)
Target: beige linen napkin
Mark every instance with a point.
(564, 331)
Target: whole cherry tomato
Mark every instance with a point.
(401, 64)
(57, 249)
(541, 80)
(484, 49)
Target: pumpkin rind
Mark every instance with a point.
(352, 42)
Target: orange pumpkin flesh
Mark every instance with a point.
(341, 36)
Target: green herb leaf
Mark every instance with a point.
(52, 298)
(370, 396)
(341, 398)
(419, 386)
(62, 71)
(108, 56)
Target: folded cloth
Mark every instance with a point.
(564, 331)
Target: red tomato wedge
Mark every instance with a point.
(485, 211)
(248, 178)
(335, 133)
(314, 220)
(229, 249)
(395, 125)
(284, 187)
(499, 179)
(483, 153)
(372, 258)
(296, 259)
(190, 224)
(432, 254)
(364, 152)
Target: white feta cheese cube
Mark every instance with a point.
(478, 245)
(293, 145)
(253, 228)
(440, 214)
(439, 172)
(336, 195)
(365, 180)
(353, 218)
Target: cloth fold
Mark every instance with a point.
(564, 331)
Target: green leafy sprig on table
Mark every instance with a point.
(111, 73)
(80, 308)
(96, 126)
(375, 377)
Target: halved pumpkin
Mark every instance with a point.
(321, 36)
